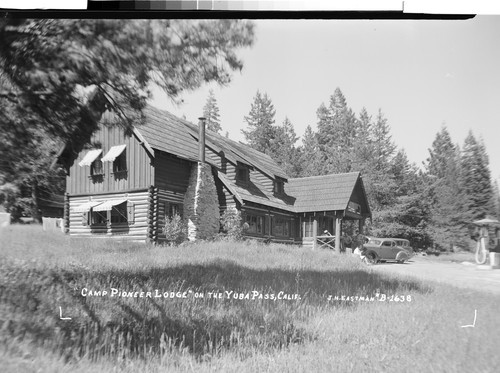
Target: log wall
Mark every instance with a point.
(137, 230)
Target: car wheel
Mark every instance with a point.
(401, 261)
(370, 258)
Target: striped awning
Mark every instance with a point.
(114, 152)
(90, 157)
(84, 207)
(108, 205)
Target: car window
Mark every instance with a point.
(387, 243)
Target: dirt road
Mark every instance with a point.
(456, 274)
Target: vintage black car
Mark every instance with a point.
(405, 244)
(384, 249)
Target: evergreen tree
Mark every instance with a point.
(384, 147)
(68, 72)
(441, 154)
(282, 148)
(496, 199)
(211, 113)
(404, 174)
(476, 178)
(449, 214)
(260, 122)
(61, 75)
(309, 154)
(363, 143)
(337, 130)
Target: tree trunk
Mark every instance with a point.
(35, 211)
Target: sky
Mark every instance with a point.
(422, 74)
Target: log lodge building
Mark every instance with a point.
(125, 185)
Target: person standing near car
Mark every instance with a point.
(358, 241)
(346, 242)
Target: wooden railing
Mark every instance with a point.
(325, 242)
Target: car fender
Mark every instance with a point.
(402, 255)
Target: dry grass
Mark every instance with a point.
(39, 273)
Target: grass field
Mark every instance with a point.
(302, 331)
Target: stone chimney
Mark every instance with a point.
(201, 203)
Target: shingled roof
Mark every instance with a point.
(256, 193)
(322, 193)
(166, 132)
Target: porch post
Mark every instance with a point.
(338, 221)
(315, 231)
(361, 225)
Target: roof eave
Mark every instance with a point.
(143, 142)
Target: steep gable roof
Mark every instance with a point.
(166, 132)
(323, 193)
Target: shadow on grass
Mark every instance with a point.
(204, 326)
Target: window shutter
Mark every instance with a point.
(130, 212)
(85, 218)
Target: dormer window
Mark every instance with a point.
(117, 155)
(120, 163)
(279, 187)
(96, 167)
(242, 174)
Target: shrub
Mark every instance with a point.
(231, 224)
(175, 230)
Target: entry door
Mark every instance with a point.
(308, 228)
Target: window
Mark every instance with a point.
(242, 174)
(99, 217)
(96, 167)
(118, 156)
(119, 213)
(113, 212)
(255, 224)
(281, 227)
(120, 163)
(279, 187)
(172, 209)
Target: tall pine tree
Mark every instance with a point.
(211, 113)
(309, 154)
(337, 130)
(449, 213)
(260, 122)
(496, 199)
(282, 148)
(476, 178)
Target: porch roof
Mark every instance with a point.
(326, 193)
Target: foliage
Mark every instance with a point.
(282, 148)
(27, 152)
(231, 223)
(69, 71)
(496, 199)
(58, 76)
(337, 127)
(175, 230)
(309, 154)
(476, 178)
(260, 122)
(211, 113)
